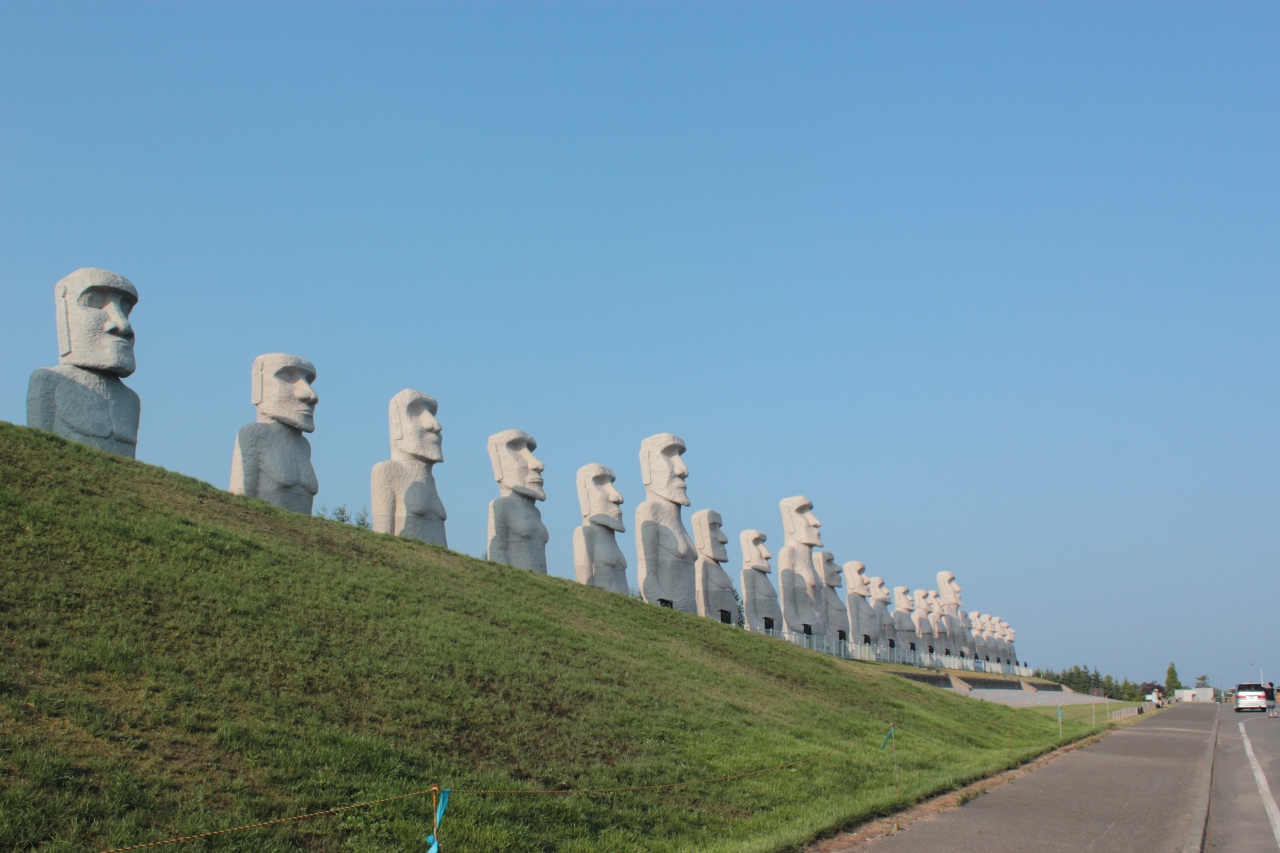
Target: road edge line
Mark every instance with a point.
(1264, 790)
(1194, 841)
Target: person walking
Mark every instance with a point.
(1270, 692)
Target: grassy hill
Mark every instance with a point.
(174, 660)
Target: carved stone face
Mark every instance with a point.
(879, 592)
(514, 466)
(599, 501)
(414, 428)
(93, 321)
(902, 598)
(828, 569)
(857, 575)
(920, 601)
(975, 619)
(708, 538)
(754, 554)
(948, 589)
(986, 623)
(663, 469)
(799, 522)
(282, 390)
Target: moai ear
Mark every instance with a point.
(645, 473)
(257, 382)
(64, 321)
(397, 423)
(495, 457)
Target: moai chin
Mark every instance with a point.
(801, 587)
(597, 559)
(835, 615)
(864, 622)
(517, 535)
(272, 458)
(403, 489)
(760, 609)
(83, 399)
(664, 552)
(713, 588)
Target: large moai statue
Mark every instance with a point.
(597, 559)
(760, 609)
(957, 623)
(713, 588)
(835, 615)
(402, 490)
(864, 622)
(904, 623)
(881, 598)
(980, 649)
(664, 552)
(83, 399)
(272, 457)
(801, 586)
(920, 620)
(517, 535)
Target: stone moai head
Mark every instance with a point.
(935, 603)
(975, 619)
(414, 428)
(948, 588)
(920, 601)
(1003, 628)
(799, 524)
(94, 332)
(988, 627)
(708, 538)
(282, 390)
(662, 468)
(857, 576)
(754, 554)
(514, 466)
(902, 598)
(600, 502)
(879, 592)
(828, 569)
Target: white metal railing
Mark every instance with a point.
(862, 651)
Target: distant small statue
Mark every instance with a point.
(402, 489)
(760, 609)
(835, 615)
(920, 621)
(880, 599)
(864, 622)
(981, 651)
(713, 588)
(801, 587)
(597, 559)
(272, 458)
(938, 621)
(904, 623)
(1010, 636)
(83, 399)
(517, 535)
(957, 624)
(664, 552)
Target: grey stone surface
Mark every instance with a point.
(759, 598)
(665, 554)
(597, 559)
(881, 599)
(904, 625)
(83, 399)
(402, 489)
(272, 458)
(835, 614)
(801, 588)
(864, 622)
(713, 588)
(920, 621)
(517, 535)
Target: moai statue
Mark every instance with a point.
(938, 620)
(864, 622)
(920, 620)
(272, 458)
(1011, 637)
(980, 649)
(957, 622)
(517, 535)
(880, 599)
(402, 489)
(714, 589)
(904, 625)
(83, 399)
(989, 637)
(1002, 638)
(597, 559)
(801, 587)
(760, 610)
(835, 615)
(664, 552)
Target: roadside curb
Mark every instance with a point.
(1199, 822)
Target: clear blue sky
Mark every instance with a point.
(995, 285)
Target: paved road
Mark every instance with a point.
(1140, 788)
(1237, 809)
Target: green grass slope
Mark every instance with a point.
(175, 660)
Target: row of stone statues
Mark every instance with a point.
(84, 399)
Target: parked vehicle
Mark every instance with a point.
(1251, 697)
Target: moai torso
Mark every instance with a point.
(597, 559)
(665, 556)
(714, 591)
(801, 589)
(864, 622)
(759, 601)
(835, 615)
(91, 407)
(272, 462)
(406, 503)
(517, 535)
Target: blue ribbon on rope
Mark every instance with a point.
(887, 738)
(433, 845)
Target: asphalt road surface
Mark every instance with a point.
(1142, 788)
(1239, 801)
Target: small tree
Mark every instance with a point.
(1171, 682)
(1202, 681)
(362, 519)
(340, 514)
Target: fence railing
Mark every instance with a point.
(863, 651)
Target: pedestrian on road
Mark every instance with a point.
(1270, 691)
